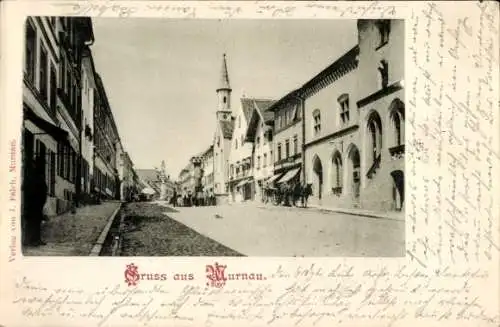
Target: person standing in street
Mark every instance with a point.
(35, 197)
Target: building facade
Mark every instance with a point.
(331, 128)
(287, 140)
(260, 135)
(52, 103)
(354, 123)
(105, 145)
(87, 121)
(208, 169)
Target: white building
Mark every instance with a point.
(260, 135)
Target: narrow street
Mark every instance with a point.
(155, 229)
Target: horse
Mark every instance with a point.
(306, 192)
(296, 193)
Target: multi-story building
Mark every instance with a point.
(260, 135)
(354, 123)
(52, 103)
(105, 145)
(186, 180)
(208, 169)
(288, 140)
(87, 121)
(331, 127)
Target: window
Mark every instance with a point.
(295, 145)
(43, 74)
(258, 162)
(257, 141)
(271, 157)
(384, 28)
(239, 121)
(317, 121)
(30, 52)
(375, 133)
(53, 88)
(235, 144)
(384, 73)
(287, 148)
(337, 163)
(225, 99)
(265, 160)
(278, 123)
(344, 108)
(242, 140)
(279, 151)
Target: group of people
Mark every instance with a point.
(289, 194)
(197, 199)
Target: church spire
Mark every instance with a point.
(224, 77)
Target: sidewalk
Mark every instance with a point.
(74, 234)
(392, 215)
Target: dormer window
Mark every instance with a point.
(343, 101)
(384, 29)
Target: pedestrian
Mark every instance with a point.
(35, 189)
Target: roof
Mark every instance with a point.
(261, 106)
(227, 128)
(224, 76)
(259, 112)
(248, 105)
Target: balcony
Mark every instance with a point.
(290, 159)
(397, 152)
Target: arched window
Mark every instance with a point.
(375, 135)
(337, 173)
(225, 99)
(397, 117)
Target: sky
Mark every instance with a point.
(160, 75)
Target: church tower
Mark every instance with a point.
(224, 94)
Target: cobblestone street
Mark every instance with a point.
(149, 232)
(154, 229)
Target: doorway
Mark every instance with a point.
(318, 176)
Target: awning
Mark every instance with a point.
(243, 182)
(272, 179)
(289, 175)
(51, 129)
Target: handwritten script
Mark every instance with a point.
(304, 296)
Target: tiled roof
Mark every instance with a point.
(262, 106)
(248, 105)
(227, 128)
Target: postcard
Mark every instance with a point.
(249, 163)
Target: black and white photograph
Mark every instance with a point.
(168, 137)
